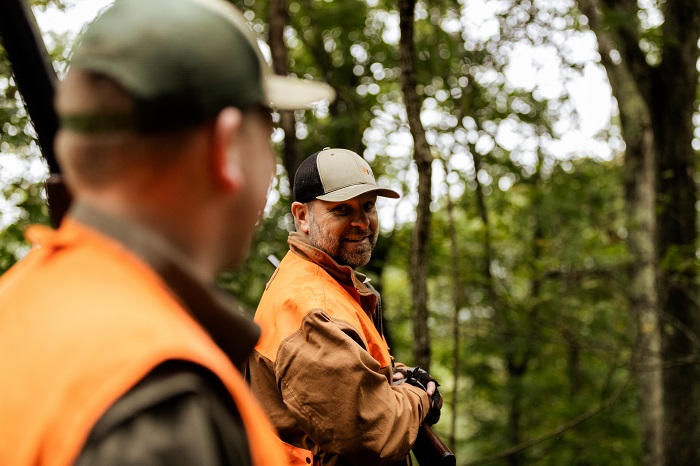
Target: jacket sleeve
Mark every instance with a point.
(336, 392)
(180, 414)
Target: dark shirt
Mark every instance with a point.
(180, 413)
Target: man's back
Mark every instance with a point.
(114, 337)
(86, 319)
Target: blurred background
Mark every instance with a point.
(543, 260)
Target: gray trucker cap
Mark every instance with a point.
(336, 175)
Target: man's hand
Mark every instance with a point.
(430, 389)
(420, 378)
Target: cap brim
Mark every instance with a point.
(288, 93)
(343, 194)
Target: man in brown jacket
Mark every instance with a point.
(322, 368)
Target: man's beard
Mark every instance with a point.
(334, 246)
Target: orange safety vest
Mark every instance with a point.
(287, 300)
(82, 320)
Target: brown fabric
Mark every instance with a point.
(322, 370)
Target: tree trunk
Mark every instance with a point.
(640, 205)
(457, 302)
(640, 202)
(516, 360)
(673, 103)
(656, 107)
(423, 159)
(278, 20)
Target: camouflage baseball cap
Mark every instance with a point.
(182, 61)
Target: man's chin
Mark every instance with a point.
(355, 259)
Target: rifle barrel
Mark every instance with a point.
(430, 450)
(36, 80)
(34, 74)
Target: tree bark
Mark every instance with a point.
(673, 103)
(640, 197)
(640, 204)
(656, 107)
(423, 159)
(278, 20)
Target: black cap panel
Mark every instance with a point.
(307, 181)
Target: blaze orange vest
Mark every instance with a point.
(290, 295)
(82, 320)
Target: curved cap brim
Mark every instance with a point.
(349, 192)
(288, 93)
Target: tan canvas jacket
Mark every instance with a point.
(323, 371)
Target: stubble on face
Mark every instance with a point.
(353, 255)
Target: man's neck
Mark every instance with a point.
(159, 223)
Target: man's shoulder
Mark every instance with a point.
(300, 286)
(299, 271)
(80, 266)
(302, 280)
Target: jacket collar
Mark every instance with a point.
(343, 274)
(216, 311)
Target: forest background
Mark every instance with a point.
(549, 281)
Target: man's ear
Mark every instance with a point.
(227, 159)
(301, 216)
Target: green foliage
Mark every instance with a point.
(31, 207)
(545, 333)
(21, 194)
(560, 342)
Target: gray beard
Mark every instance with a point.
(332, 246)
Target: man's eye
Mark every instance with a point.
(369, 207)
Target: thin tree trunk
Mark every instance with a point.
(457, 301)
(641, 200)
(640, 197)
(278, 20)
(640, 205)
(423, 159)
(516, 361)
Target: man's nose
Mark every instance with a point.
(360, 219)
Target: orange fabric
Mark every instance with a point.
(298, 299)
(322, 370)
(75, 336)
(278, 324)
(298, 456)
